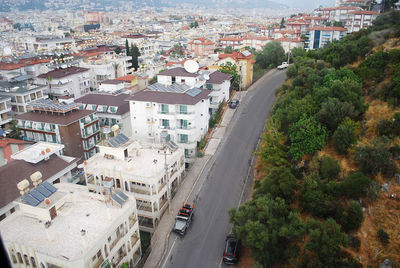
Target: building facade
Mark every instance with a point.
(145, 170)
(319, 36)
(61, 123)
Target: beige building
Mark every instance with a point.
(140, 169)
(71, 227)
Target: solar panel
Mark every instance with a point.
(37, 195)
(193, 92)
(117, 199)
(30, 200)
(122, 195)
(43, 191)
(172, 145)
(49, 186)
(113, 143)
(118, 139)
(125, 138)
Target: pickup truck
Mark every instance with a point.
(184, 218)
(284, 65)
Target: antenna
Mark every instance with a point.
(191, 66)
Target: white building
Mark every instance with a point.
(66, 81)
(319, 36)
(71, 227)
(338, 13)
(111, 86)
(219, 83)
(140, 169)
(37, 44)
(360, 19)
(52, 164)
(110, 109)
(5, 109)
(21, 94)
(181, 112)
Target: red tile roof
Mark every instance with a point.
(235, 55)
(127, 78)
(218, 78)
(169, 97)
(178, 71)
(318, 28)
(5, 141)
(364, 12)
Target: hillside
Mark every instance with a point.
(326, 193)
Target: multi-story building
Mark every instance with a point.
(62, 123)
(5, 109)
(45, 158)
(179, 75)
(244, 64)
(257, 42)
(339, 14)
(22, 94)
(64, 225)
(201, 47)
(219, 84)
(234, 42)
(66, 81)
(319, 36)
(177, 111)
(148, 171)
(290, 43)
(37, 44)
(111, 109)
(360, 19)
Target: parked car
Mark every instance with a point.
(232, 248)
(284, 65)
(233, 103)
(184, 218)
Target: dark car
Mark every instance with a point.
(233, 103)
(232, 248)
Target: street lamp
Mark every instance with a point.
(164, 140)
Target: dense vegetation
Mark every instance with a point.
(307, 209)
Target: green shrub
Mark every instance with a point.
(329, 168)
(385, 128)
(383, 237)
(355, 242)
(355, 185)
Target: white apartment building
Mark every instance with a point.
(110, 109)
(319, 36)
(37, 44)
(21, 94)
(146, 170)
(66, 226)
(219, 83)
(178, 111)
(179, 75)
(5, 109)
(66, 81)
(257, 42)
(338, 13)
(146, 45)
(54, 167)
(360, 19)
(106, 67)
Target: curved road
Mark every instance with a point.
(225, 182)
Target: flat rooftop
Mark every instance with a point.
(88, 213)
(144, 161)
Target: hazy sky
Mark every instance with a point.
(307, 3)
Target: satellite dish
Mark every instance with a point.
(191, 66)
(44, 69)
(206, 77)
(7, 51)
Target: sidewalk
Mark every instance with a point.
(159, 241)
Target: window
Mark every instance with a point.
(183, 109)
(164, 108)
(184, 138)
(33, 262)
(165, 123)
(209, 86)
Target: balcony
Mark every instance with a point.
(90, 133)
(90, 179)
(163, 202)
(88, 147)
(187, 142)
(162, 186)
(120, 257)
(116, 240)
(98, 262)
(144, 191)
(166, 127)
(164, 112)
(186, 127)
(185, 112)
(134, 239)
(132, 221)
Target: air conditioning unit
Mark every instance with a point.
(148, 104)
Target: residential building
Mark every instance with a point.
(135, 83)
(5, 112)
(201, 47)
(10, 146)
(62, 123)
(110, 109)
(22, 94)
(43, 43)
(71, 227)
(290, 43)
(66, 81)
(25, 67)
(319, 36)
(111, 86)
(219, 83)
(179, 75)
(178, 111)
(234, 42)
(45, 158)
(339, 14)
(360, 19)
(257, 42)
(146, 44)
(148, 171)
(244, 64)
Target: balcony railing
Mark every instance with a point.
(132, 221)
(121, 234)
(98, 262)
(186, 127)
(162, 186)
(166, 127)
(185, 112)
(134, 239)
(120, 257)
(186, 142)
(140, 191)
(162, 203)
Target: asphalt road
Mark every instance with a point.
(225, 182)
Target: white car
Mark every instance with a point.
(284, 65)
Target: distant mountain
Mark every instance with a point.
(228, 3)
